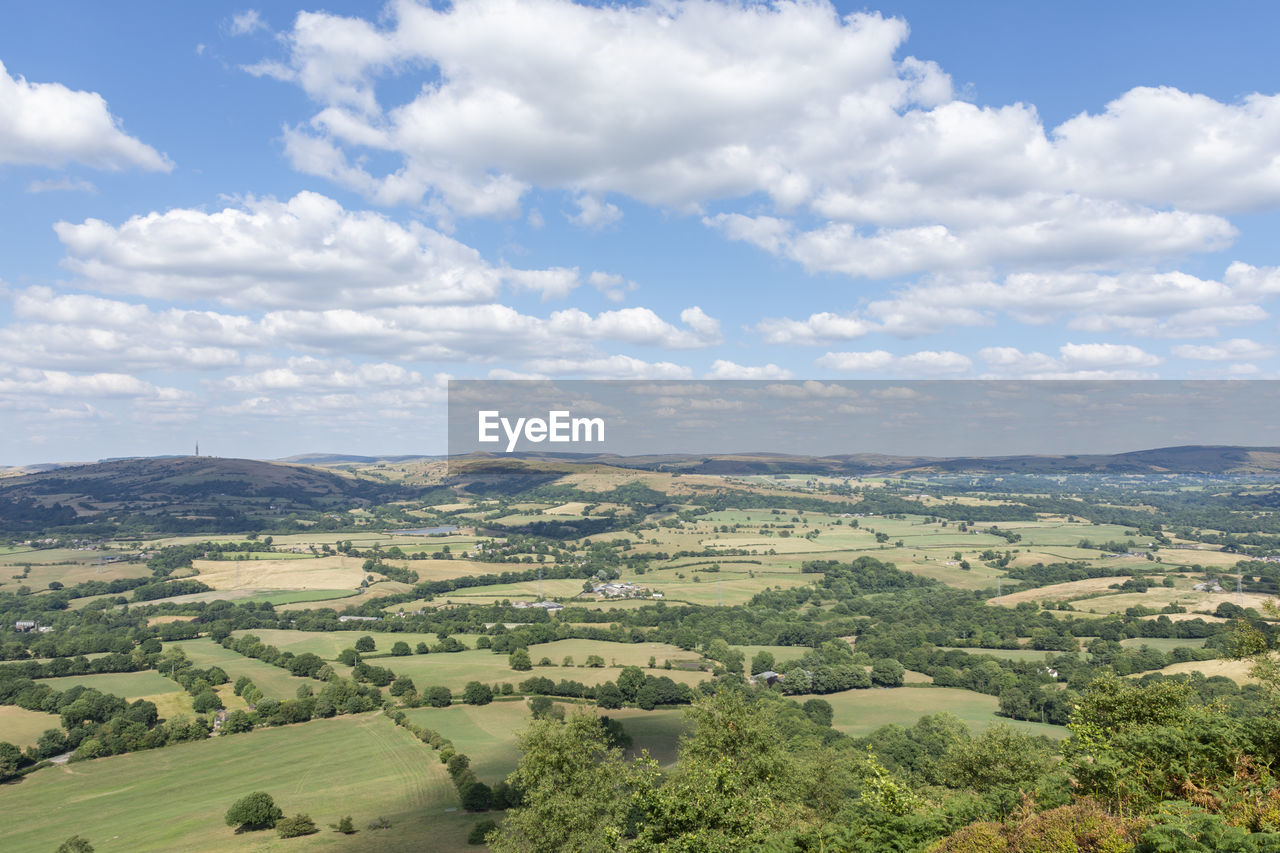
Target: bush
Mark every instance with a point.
(254, 811)
(346, 826)
(480, 830)
(292, 827)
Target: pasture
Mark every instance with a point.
(274, 682)
(169, 697)
(23, 728)
(860, 712)
(174, 798)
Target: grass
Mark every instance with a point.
(1164, 644)
(487, 733)
(174, 798)
(273, 681)
(169, 697)
(456, 669)
(23, 728)
(329, 644)
(1036, 655)
(860, 712)
(1236, 670)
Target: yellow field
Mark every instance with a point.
(1057, 591)
(1236, 670)
(315, 573)
(23, 728)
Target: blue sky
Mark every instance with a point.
(280, 228)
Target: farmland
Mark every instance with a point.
(658, 600)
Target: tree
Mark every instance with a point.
(365, 644)
(477, 797)
(205, 702)
(608, 695)
(253, 811)
(820, 711)
(75, 844)
(480, 830)
(237, 722)
(345, 825)
(762, 662)
(438, 697)
(887, 672)
(477, 693)
(577, 790)
(999, 765)
(402, 685)
(292, 827)
(401, 648)
(595, 661)
(519, 659)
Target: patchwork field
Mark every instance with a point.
(1236, 670)
(23, 728)
(174, 798)
(169, 697)
(273, 681)
(860, 712)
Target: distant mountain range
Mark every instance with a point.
(1188, 460)
(156, 480)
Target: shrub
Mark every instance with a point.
(480, 830)
(254, 811)
(292, 827)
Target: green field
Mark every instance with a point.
(23, 728)
(1164, 644)
(486, 733)
(860, 712)
(329, 645)
(456, 669)
(130, 685)
(174, 798)
(1008, 654)
(274, 682)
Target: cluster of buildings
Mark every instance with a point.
(618, 589)
(549, 606)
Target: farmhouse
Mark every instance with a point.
(25, 627)
(769, 677)
(359, 618)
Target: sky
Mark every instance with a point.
(282, 228)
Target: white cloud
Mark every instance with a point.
(613, 286)
(57, 383)
(246, 23)
(1234, 349)
(77, 185)
(1165, 304)
(273, 254)
(47, 124)
(315, 376)
(1074, 361)
(608, 367)
(680, 105)
(594, 213)
(926, 363)
(722, 369)
(823, 327)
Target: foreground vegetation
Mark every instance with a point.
(663, 662)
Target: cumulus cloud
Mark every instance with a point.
(684, 105)
(47, 124)
(608, 367)
(1074, 361)
(722, 369)
(57, 383)
(1150, 304)
(925, 363)
(246, 23)
(81, 331)
(1232, 350)
(275, 254)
